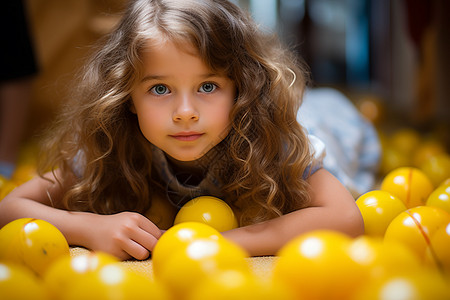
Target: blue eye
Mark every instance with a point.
(159, 90)
(208, 87)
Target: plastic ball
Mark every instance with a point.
(209, 210)
(415, 226)
(437, 168)
(392, 159)
(410, 185)
(446, 182)
(378, 209)
(200, 259)
(438, 251)
(238, 285)
(426, 150)
(33, 243)
(372, 108)
(6, 187)
(381, 258)
(19, 283)
(24, 173)
(177, 237)
(113, 281)
(317, 265)
(68, 269)
(406, 140)
(29, 153)
(440, 197)
(410, 286)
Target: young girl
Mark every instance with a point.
(184, 98)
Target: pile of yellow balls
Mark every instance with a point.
(192, 260)
(406, 147)
(404, 254)
(35, 263)
(410, 212)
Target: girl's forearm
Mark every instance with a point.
(40, 198)
(268, 237)
(123, 235)
(73, 225)
(331, 207)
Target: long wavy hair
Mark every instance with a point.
(267, 151)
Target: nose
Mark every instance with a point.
(185, 109)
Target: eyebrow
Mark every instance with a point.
(160, 77)
(152, 77)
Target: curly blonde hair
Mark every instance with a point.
(267, 150)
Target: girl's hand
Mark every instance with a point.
(124, 235)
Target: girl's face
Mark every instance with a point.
(183, 107)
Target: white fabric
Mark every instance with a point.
(350, 142)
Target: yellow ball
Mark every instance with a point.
(426, 150)
(372, 107)
(446, 182)
(19, 283)
(177, 237)
(438, 251)
(24, 173)
(238, 285)
(440, 197)
(6, 187)
(67, 269)
(410, 185)
(200, 259)
(437, 168)
(113, 281)
(209, 210)
(318, 265)
(405, 140)
(29, 154)
(378, 209)
(392, 159)
(415, 226)
(33, 243)
(408, 286)
(381, 258)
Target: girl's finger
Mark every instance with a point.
(136, 249)
(148, 226)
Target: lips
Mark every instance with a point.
(187, 136)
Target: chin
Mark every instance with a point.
(186, 158)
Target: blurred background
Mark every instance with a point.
(397, 51)
(391, 58)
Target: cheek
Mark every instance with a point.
(149, 123)
(222, 119)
